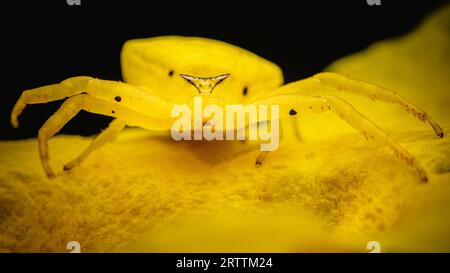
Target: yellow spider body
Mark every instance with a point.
(156, 63)
(151, 67)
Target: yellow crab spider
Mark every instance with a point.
(149, 67)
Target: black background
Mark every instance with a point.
(282, 262)
(44, 42)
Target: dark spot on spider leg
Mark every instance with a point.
(113, 111)
(117, 98)
(292, 112)
(171, 73)
(245, 91)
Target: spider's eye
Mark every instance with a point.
(244, 92)
(171, 73)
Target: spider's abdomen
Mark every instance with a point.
(156, 63)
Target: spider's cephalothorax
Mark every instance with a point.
(151, 91)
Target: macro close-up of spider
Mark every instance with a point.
(219, 136)
(151, 90)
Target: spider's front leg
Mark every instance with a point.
(129, 104)
(292, 104)
(105, 136)
(341, 83)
